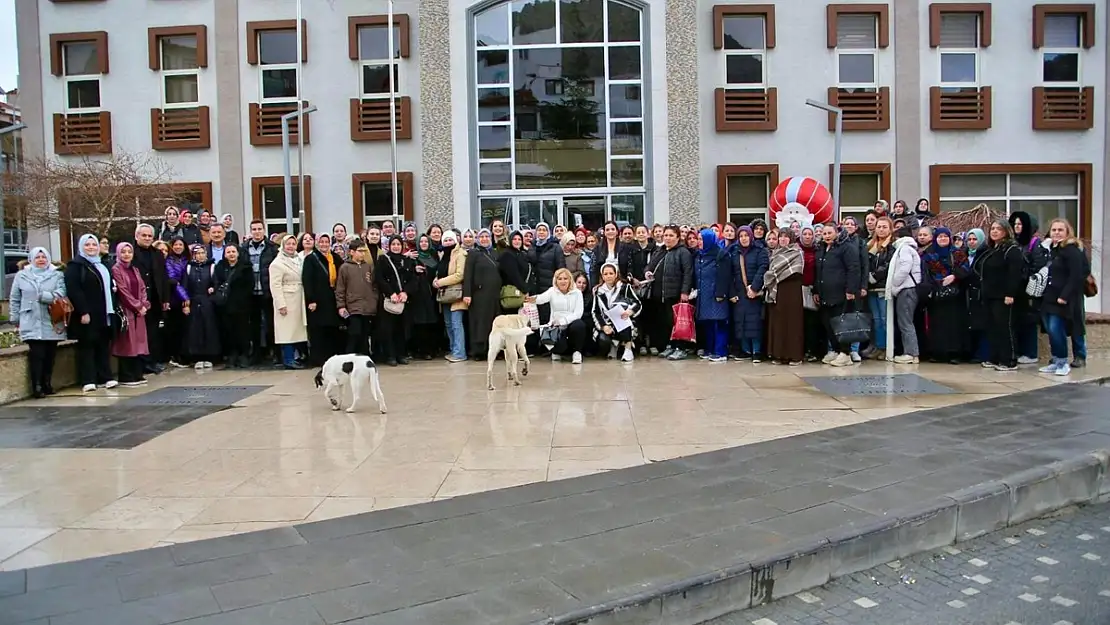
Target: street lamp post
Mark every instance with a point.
(838, 136)
(3, 250)
(288, 177)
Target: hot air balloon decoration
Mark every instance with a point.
(802, 200)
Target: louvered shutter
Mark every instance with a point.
(1061, 31)
(959, 30)
(857, 31)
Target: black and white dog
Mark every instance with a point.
(355, 369)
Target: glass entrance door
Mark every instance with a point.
(531, 211)
(587, 211)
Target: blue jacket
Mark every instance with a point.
(747, 313)
(713, 280)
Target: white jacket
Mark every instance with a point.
(905, 267)
(565, 307)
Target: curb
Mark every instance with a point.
(814, 561)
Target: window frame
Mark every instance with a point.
(254, 54)
(405, 181)
(394, 64)
(155, 38)
(883, 173)
(760, 53)
(68, 78)
(1077, 50)
(258, 186)
(942, 50)
(873, 52)
(266, 67)
(724, 172)
(169, 73)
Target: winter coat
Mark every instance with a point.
(574, 263)
(639, 258)
(878, 266)
(838, 271)
(602, 302)
(203, 337)
(864, 260)
(240, 286)
(266, 258)
(672, 273)
(422, 307)
(747, 313)
(713, 280)
(545, 260)
(455, 272)
(1002, 270)
(905, 267)
(85, 291)
(318, 290)
(565, 307)
(131, 293)
(151, 264)
(600, 254)
(1067, 274)
(169, 233)
(387, 279)
(355, 288)
(231, 237)
(481, 283)
(288, 293)
(516, 270)
(29, 303)
(191, 235)
(175, 278)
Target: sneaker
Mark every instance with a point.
(133, 384)
(829, 357)
(718, 359)
(453, 358)
(856, 357)
(177, 365)
(111, 384)
(207, 364)
(1078, 363)
(677, 354)
(1005, 368)
(756, 360)
(841, 360)
(701, 353)
(906, 359)
(1026, 360)
(987, 364)
(1064, 369)
(628, 355)
(612, 352)
(198, 366)
(643, 351)
(795, 363)
(666, 353)
(576, 358)
(88, 388)
(1049, 368)
(556, 358)
(653, 351)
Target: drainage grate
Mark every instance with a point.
(194, 396)
(905, 384)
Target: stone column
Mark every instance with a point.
(437, 186)
(908, 101)
(683, 138)
(229, 127)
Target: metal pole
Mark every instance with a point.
(838, 136)
(300, 117)
(3, 246)
(392, 114)
(288, 178)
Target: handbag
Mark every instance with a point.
(1037, 283)
(550, 335)
(1090, 287)
(683, 329)
(511, 297)
(392, 307)
(945, 292)
(60, 310)
(532, 312)
(219, 296)
(851, 327)
(449, 294)
(808, 302)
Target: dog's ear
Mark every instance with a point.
(319, 378)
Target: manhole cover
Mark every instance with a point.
(194, 396)
(906, 384)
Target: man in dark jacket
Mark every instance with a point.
(152, 266)
(260, 252)
(837, 283)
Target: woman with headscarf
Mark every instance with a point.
(288, 295)
(319, 273)
(749, 266)
(713, 280)
(977, 347)
(1027, 311)
(171, 225)
(92, 292)
(451, 272)
(231, 237)
(517, 279)
(546, 257)
(203, 343)
(395, 278)
(782, 286)
(189, 230)
(34, 289)
(409, 233)
(572, 256)
(759, 231)
(423, 312)
(130, 344)
(945, 268)
(234, 282)
(815, 340)
(481, 293)
(468, 239)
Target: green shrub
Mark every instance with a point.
(9, 339)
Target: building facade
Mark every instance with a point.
(579, 111)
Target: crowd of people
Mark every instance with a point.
(196, 294)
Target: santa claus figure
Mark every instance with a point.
(800, 200)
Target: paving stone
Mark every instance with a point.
(13, 583)
(604, 579)
(292, 612)
(52, 602)
(69, 573)
(239, 544)
(167, 608)
(185, 576)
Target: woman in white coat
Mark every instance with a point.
(289, 312)
(901, 284)
(34, 289)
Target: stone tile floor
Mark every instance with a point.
(282, 457)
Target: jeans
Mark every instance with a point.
(1079, 346)
(878, 315)
(1026, 337)
(288, 354)
(750, 346)
(1057, 328)
(456, 335)
(905, 304)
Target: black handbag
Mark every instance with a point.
(219, 296)
(851, 327)
(941, 293)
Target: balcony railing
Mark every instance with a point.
(83, 133)
(966, 109)
(1060, 108)
(370, 119)
(265, 123)
(180, 129)
(746, 109)
(863, 109)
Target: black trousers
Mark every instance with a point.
(173, 335)
(94, 365)
(359, 329)
(234, 340)
(262, 327)
(130, 368)
(153, 319)
(323, 343)
(1001, 327)
(40, 360)
(391, 336)
(828, 313)
(426, 338)
(662, 322)
(605, 341)
(572, 339)
(816, 341)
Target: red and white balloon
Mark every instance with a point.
(801, 200)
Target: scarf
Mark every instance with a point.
(428, 257)
(281, 246)
(98, 266)
(708, 242)
(980, 238)
(544, 240)
(489, 247)
(331, 268)
(786, 262)
(35, 271)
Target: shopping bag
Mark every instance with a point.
(550, 335)
(851, 327)
(683, 323)
(532, 313)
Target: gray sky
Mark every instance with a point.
(9, 64)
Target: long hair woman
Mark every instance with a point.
(567, 310)
(92, 291)
(1002, 270)
(782, 286)
(34, 289)
(672, 278)
(880, 250)
(615, 297)
(1062, 307)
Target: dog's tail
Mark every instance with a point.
(517, 332)
(319, 378)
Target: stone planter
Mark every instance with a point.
(15, 378)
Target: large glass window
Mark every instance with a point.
(559, 104)
(180, 72)
(1044, 196)
(277, 54)
(81, 67)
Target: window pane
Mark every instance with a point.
(624, 63)
(1061, 31)
(494, 141)
(624, 101)
(1045, 211)
(581, 21)
(857, 30)
(494, 176)
(628, 172)
(859, 190)
(277, 47)
(375, 79)
(179, 52)
(624, 22)
(628, 210)
(273, 203)
(493, 105)
(745, 219)
(181, 89)
(744, 69)
(493, 67)
(491, 27)
(81, 59)
(531, 212)
(1061, 67)
(857, 68)
(83, 94)
(279, 83)
(586, 212)
(744, 32)
(377, 199)
(957, 67)
(533, 21)
(1041, 185)
(747, 191)
(494, 208)
(973, 185)
(627, 137)
(959, 30)
(373, 43)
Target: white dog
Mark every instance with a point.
(357, 370)
(509, 333)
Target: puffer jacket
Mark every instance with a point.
(879, 267)
(545, 259)
(30, 299)
(863, 256)
(672, 272)
(838, 270)
(905, 267)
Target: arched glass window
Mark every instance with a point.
(558, 96)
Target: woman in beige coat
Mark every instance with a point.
(288, 294)
(450, 274)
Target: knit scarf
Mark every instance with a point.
(785, 263)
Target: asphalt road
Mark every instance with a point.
(1053, 571)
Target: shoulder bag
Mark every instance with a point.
(392, 307)
(511, 297)
(60, 310)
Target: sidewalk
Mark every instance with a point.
(679, 541)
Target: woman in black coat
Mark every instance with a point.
(837, 286)
(609, 250)
(234, 284)
(1062, 303)
(481, 293)
(516, 270)
(318, 277)
(1001, 267)
(395, 276)
(203, 343)
(672, 278)
(427, 326)
(92, 292)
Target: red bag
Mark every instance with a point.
(683, 323)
